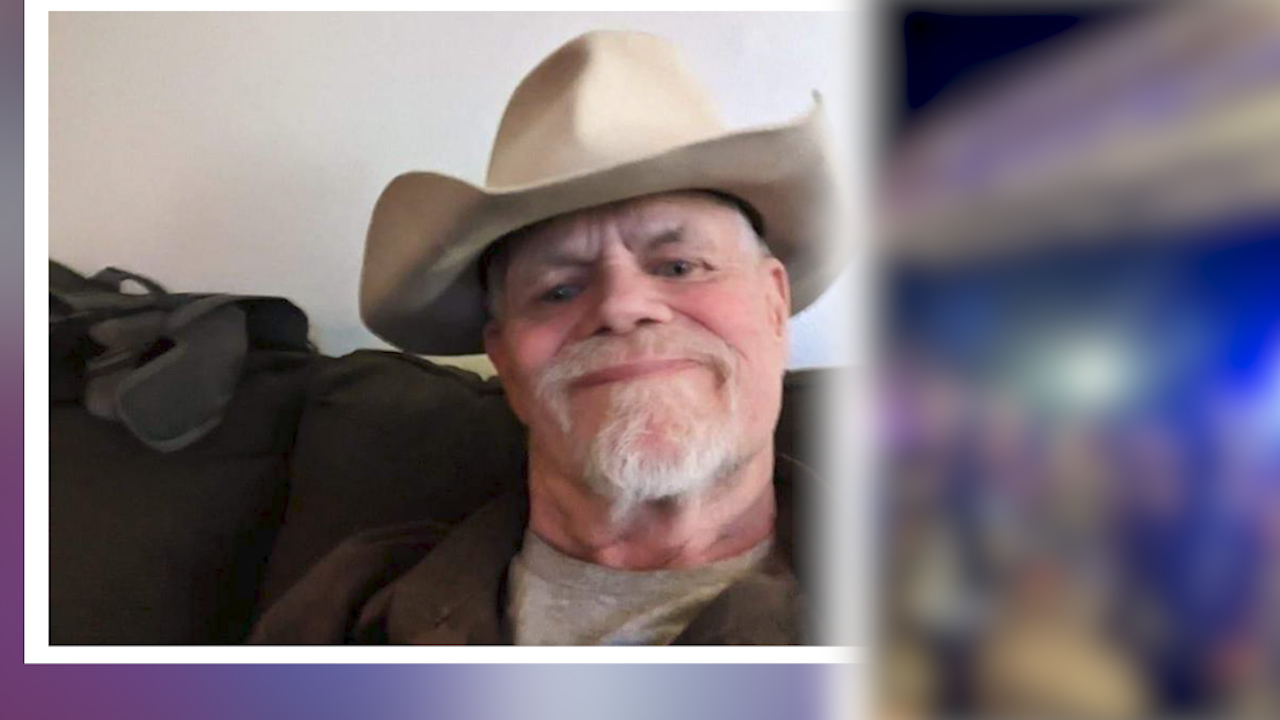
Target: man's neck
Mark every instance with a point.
(730, 520)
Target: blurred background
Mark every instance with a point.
(1079, 332)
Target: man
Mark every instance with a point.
(629, 269)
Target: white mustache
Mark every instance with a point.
(602, 352)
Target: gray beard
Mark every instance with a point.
(659, 444)
(660, 439)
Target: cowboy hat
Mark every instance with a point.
(607, 117)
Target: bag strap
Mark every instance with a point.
(72, 295)
(180, 396)
(115, 278)
(174, 393)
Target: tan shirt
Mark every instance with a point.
(555, 599)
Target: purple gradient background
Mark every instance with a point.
(247, 692)
(390, 692)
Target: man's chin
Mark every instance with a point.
(642, 481)
(647, 440)
(657, 436)
(656, 465)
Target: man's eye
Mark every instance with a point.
(675, 268)
(561, 293)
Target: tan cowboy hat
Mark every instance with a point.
(607, 117)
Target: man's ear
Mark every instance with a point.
(779, 300)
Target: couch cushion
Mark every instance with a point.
(388, 438)
(154, 548)
(384, 438)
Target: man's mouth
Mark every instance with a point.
(632, 370)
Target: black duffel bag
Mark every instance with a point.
(163, 364)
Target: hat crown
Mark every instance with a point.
(601, 99)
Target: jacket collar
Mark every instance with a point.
(457, 593)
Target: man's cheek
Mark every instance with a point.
(519, 402)
(522, 393)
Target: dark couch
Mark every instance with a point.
(189, 547)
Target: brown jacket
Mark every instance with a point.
(431, 584)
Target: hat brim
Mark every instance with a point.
(420, 286)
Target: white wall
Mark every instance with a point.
(244, 152)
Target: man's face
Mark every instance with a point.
(643, 343)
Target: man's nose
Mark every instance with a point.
(627, 298)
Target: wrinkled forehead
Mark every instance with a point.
(638, 223)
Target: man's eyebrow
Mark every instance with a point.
(669, 236)
(555, 259)
(559, 259)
